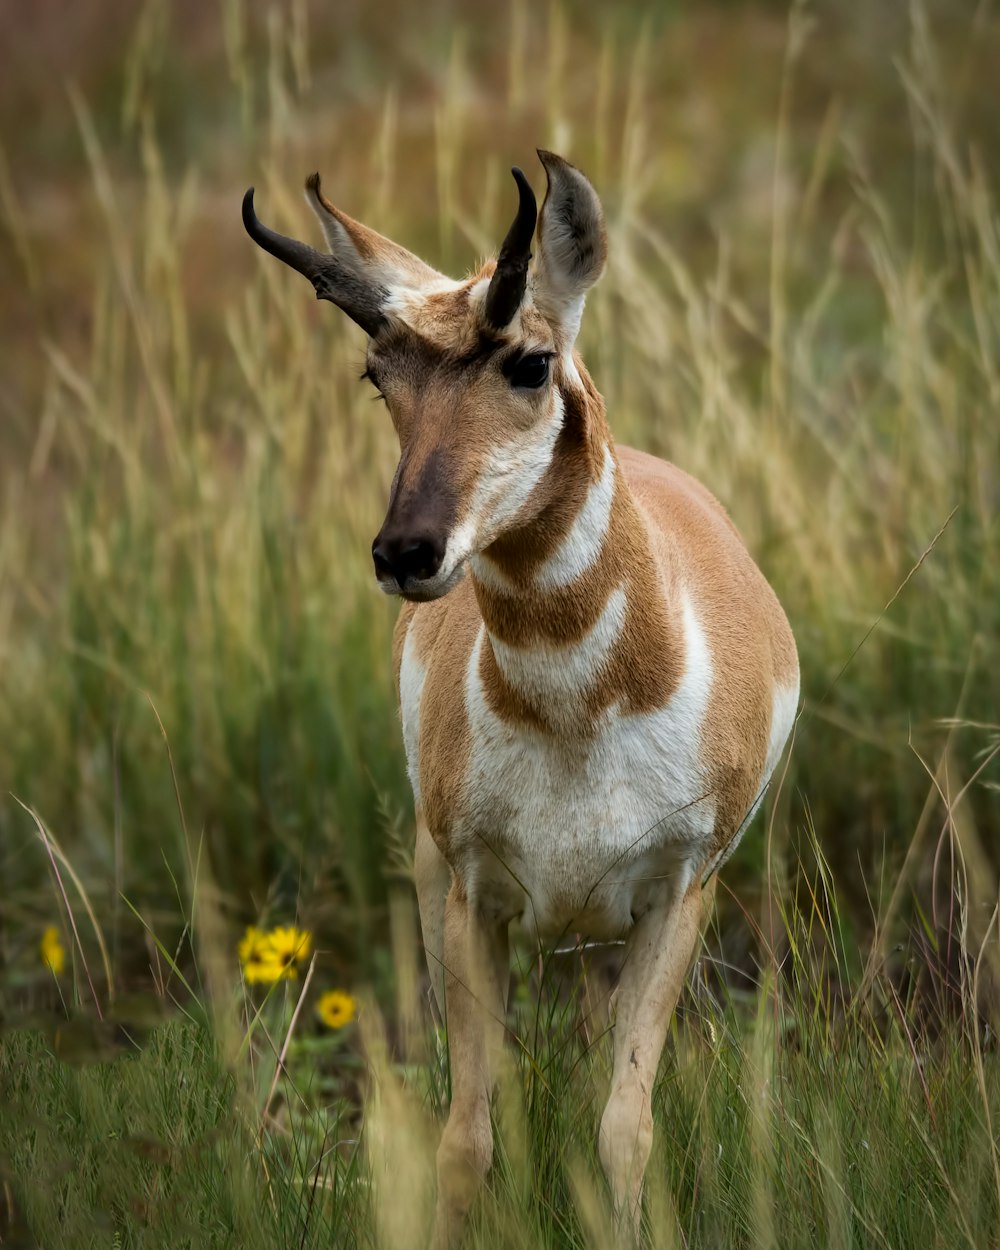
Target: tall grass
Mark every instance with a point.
(187, 534)
(197, 718)
(794, 1123)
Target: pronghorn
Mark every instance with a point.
(595, 680)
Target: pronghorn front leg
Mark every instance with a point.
(658, 957)
(433, 878)
(476, 978)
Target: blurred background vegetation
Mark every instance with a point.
(802, 308)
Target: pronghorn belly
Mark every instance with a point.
(598, 896)
(581, 836)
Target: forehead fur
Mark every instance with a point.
(447, 316)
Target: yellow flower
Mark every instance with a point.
(270, 957)
(287, 946)
(261, 971)
(52, 951)
(250, 944)
(336, 1008)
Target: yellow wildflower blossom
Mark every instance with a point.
(288, 946)
(336, 1008)
(258, 967)
(262, 971)
(52, 951)
(250, 943)
(273, 956)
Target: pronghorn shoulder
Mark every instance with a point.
(693, 535)
(672, 497)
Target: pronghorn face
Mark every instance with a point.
(472, 372)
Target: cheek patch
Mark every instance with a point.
(509, 475)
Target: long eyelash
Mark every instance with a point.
(516, 357)
(368, 376)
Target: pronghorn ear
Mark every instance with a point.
(367, 254)
(572, 244)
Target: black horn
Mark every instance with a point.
(361, 301)
(508, 282)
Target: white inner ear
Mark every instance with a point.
(390, 266)
(559, 246)
(572, 245)
(557, 291)
(338, 241)
(560, 308)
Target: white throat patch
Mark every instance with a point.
(583, 544)
(558, 678)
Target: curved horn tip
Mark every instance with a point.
(523, 185)
(249, 215)
(506, 289)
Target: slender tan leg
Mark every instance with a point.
(660, 951)
(433, 879)
(476, 978)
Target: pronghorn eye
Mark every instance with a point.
(369, 375)
(530, 372)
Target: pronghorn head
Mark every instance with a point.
(473, 372)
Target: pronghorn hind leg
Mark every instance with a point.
(660, 949)
(476, 979)
(433, 879)
(601, 967)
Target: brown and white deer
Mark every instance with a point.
(595, 680)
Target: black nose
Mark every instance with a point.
(406, 558)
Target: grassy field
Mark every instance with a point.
(197, 726)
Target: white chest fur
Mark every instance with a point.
(571, 831)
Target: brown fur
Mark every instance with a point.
(438, 375)
(752, 648)
(666, 529)
(440, 367)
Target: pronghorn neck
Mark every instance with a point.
(567, 599)
(538, 551)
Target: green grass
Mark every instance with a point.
(774, 1129)
(196, 715)
(192, 484)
